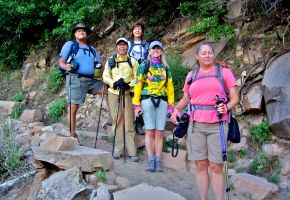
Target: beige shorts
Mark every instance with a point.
(203, 141)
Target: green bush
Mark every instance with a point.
(55, 81)
(56, 109)
(9, 151)
(101, 176)
(17, 111)
(260, 133)
(19, 96)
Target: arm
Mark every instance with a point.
(63, 65)
(107, 75)
(180, 106)
(170, 92)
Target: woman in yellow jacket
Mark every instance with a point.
(154, 97)
(119, 75)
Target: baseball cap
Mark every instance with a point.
(121, 39)
(155, 43)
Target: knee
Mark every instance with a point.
(201, 165)
(158, 135)
(216, 168)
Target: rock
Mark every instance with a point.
(285, 168)
(252, 102)
(273, 149)
(104, 192)
(35, 186)
(30, 116)
(60, 129)
(36, 164)
(256, 120)
(8, 106)
(235, 9)
(23, 139)
(87, 138)
(11, 189)
(177, 163)
(35, 140)
(88, 159)
(239, 146)
(31, 95)
(47, 128)
(58, 143)
(145, 192)
(276, 84)
(258, 188)
(64, 185)
(245, 132)
(123, 182)
(91, 179)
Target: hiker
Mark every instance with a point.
(154, 98)
(78, 59)
(203, 141)
(138, 47)
(119, 75)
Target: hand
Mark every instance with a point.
(138, 111)
(174, 116)
(222, 108)
(169, 113)
(68, 67)
(118, 84)
(126, 86)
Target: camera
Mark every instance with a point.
(73, 63)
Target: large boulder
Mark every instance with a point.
(276, 85)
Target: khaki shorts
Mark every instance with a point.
(80, 87)
(203, 142)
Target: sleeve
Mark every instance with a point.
(107, 75)
(170, 91)
(98, 57)
(65, 50)
(186, 86)
(229, 78)
(138, 84)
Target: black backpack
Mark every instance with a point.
(113, 63)
(74, 48)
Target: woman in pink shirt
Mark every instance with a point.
(203, 141)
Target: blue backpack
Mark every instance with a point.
(74, 48)
(144, 44)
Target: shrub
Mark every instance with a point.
(55, 81)
(19, 96)
(260, 133)
(101, 176)
(9, 151)
(17, 111)
(56, 109)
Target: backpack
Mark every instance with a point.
(113, 63)
(144, 44)
(146, 70)
(74, 48)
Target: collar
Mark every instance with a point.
(120, 58)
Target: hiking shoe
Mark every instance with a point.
(134, 158)
(158, 165)
(150, 164)
(116, 156)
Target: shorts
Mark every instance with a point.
(80, 87)
(203, 142)
(154, 118)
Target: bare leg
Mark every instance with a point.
(158, 143)
(202, 178)
(74, 109)
(217, 180)
(149, 142)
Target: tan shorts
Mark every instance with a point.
(203, 142)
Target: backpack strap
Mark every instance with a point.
(113, 63)
(132, 44)
(146, 71)
(92, 50)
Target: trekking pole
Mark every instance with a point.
(223, 145)
(70, 127)
(116, 121)
(100, 115)
(124, 131)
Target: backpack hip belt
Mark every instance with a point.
(201, 107)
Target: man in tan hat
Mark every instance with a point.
(78, 60)
(119, 74)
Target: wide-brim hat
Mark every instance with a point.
(121, 39)
(155, 43)
(82, 26)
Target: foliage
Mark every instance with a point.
(56, 109)
(101, 175)
(19, 96)
(17, 111)
(9, 151)
(260, 133)
(207, 17)
(55, 81)
(266, 166)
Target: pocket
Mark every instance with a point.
(73, 87)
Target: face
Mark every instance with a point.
(122, 48)
(155, 52)
(80, 34)
(137, 31)
(205, 55)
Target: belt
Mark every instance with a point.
(83, 76)
(201, 107)
(143, 97)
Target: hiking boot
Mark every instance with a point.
(134, 158)
(158, 165)
(150, 164)
(116, 156)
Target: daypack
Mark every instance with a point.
(144, 44)
(234, 133)
(113, 63)
(74, 48)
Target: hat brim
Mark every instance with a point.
(88, 30)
